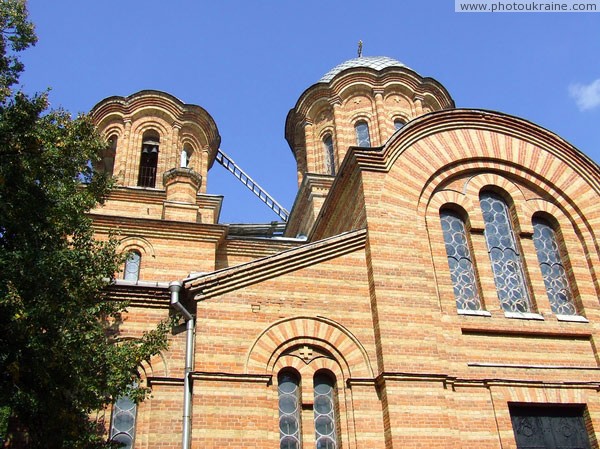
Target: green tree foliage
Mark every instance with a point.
(58, 363)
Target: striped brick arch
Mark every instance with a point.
(442, 147)
(317, 332)
(137, 243)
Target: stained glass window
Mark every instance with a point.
(132, 266)
(325, 411)
(363, 139)
(289, 410)
(122, 428)
(504, 254)
(553, 270)
(460, 262)
(329, 154)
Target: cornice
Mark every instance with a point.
(483, 382)
(231, 377)
(140, 294)
(228, 279)
(375, 79)
(182, 172)
(164, 381)
(149, 227)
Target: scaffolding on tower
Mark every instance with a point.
(261, 193)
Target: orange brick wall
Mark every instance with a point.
(369, 298)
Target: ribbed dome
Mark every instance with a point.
(373, 62)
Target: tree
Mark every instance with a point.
(58, 363)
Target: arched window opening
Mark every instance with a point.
(325, 410)
(107, 158)
(399, 123)
(460, 261)
(186, 156)
(553, 271)
(122, 426)
(132, 266)
(149, 159)
(289, 410)
(505, 256)
(109, 155)
(363, 139)
(329, 154)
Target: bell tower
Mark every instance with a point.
(162, 149)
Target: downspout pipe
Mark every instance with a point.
(175, 287)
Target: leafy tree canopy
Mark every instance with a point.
(58, 364)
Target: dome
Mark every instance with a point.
(372, 62)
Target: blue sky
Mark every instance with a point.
(248, 62)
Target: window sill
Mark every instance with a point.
(524, 316)
(572, 318)
(473, 312)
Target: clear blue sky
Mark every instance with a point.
(248, 62)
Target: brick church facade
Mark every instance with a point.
(435, 285)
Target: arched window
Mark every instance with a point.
(107, 160)
(122, 425)
(329, 154)
(132, 266)
(325, 409)
(288, 383)
(109, 156)
(149, 159)
(363, 139)
(186, 156)
(504, 254)
(553, 270)
(460, 261)
(398, 123)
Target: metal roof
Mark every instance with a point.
(373, 62)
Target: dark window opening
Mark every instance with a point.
(329, 154)
(148, 160)
(398, 124)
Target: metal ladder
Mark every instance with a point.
(236, 171)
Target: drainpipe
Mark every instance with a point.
(175, 288)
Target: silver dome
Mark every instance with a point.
(373, 62)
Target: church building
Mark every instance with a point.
(433, 286)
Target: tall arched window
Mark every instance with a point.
(288, 382)
(122, 425)
(553, 270)
(398, 123)
(109, 156)
(149, 159)
(132, 266)
(186, 156)
(460, 261)
(363, 139)
(107, 161)
(329, 154)
(325, 410)
(504, 254)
